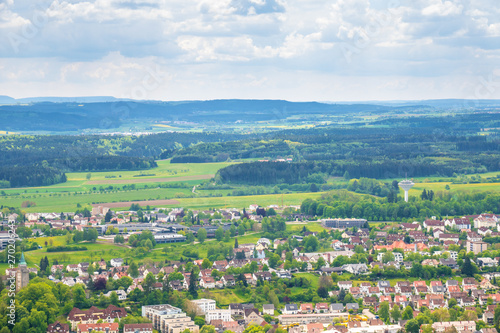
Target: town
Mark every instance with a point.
(302, 274)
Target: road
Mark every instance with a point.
(367, 313)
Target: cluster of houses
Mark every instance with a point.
(98, 320)
(413, 237)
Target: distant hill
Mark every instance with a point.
(71, 116)
(7, 100)
(84, 99)
(77, 113)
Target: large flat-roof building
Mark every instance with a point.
(343, 223)
(169, 238)
(168, 319)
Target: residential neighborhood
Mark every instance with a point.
(302, 275)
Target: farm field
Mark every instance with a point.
(245, 201)
(440, 186)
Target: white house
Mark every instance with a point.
(117, 262)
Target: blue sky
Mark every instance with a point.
(337, 50)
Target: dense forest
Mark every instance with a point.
(416, 146)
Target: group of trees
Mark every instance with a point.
(345, 205)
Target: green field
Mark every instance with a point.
(178, 181)
(245, 201)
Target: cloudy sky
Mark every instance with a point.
(324, 50)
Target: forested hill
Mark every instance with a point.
(72, 116)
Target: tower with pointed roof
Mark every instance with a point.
(22, 274)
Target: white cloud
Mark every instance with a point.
(440, 8)
(249, 48)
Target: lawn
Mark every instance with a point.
(313, 278)
(224, 297)
(311, 226)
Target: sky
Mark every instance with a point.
(298, 50)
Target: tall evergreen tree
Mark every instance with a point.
(424, 196)
(467, 268)
(236, 243)
(192, 285)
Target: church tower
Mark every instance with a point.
(22, 274)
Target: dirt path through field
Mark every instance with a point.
(142, 203)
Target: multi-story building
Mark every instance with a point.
(218, 314)
(204, 304)
(101, 327)
(138, 328)
(168, 319)
(476, 247)
(461, 326)
(94, 314)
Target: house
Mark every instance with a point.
(265, 276)
(94, 314)
(460, 326)
(382, 285)
(336, 307)
(462, 223)
(101, 264)
(264, 242)
(434, 224)
(487, 262)
(58, 327)
(355, 292)
(122, 295)
(321, 307)
(116, 262)
(236, 309)
(291, 309)
(207, 282)
(352, 306)
(469, 284)
(346, 285)
(252, 317)
(400, 299)
(72, 268)
(138, 328)
(489, 317)
(56, 268)
(228, 280)
(385, 298)
(101, 327)
(486, 220)
(430, 262)
(452, 263)
(268, 309)
(370, 301)
(306, 308)
(355, 268)
(363, 286)
(374, 291)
